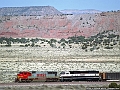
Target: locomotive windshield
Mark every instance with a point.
(62, 72)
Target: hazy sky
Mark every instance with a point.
(103, 5)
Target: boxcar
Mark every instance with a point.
(107, 76)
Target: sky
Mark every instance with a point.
(102, 5)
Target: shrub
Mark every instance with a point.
(91, 49)
(113, 85)
(118, 86)
(21, 45)
(108, 47)
(8, 45)
(84, 46)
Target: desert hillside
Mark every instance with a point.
(57, 25)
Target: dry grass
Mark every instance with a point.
(40, 53)
(15, 59)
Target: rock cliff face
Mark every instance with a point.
(27, 11)
(58, 25)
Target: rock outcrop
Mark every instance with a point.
(29, 11)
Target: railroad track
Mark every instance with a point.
(84, 83)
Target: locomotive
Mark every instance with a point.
(45, 76)
(26, 76)
(79, 76)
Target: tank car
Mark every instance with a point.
(37, 76)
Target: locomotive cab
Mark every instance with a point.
(63, 73)
(23, 76)
(65, 76)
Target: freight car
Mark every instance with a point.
(79, 76)
(37, 76)
(110, 76)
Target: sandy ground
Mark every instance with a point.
(59, 87)
(44, 87)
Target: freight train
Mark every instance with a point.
(45, 76)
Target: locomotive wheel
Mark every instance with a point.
(28, 81)
(62, 80)
(19, 80)
(16, 80)
(56, 80)
(70, 80)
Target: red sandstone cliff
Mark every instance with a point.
(58, 26)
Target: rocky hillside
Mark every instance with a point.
(27, 11)
(47, 22)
